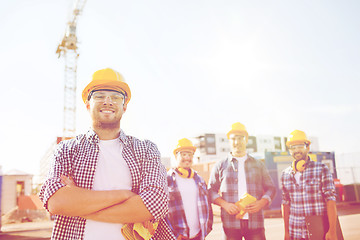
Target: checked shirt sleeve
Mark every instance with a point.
(214, 183)
(268, 185)
(285, 196)
(328, 186)
(52, 182)
(153, 187)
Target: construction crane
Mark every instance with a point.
(68, 49)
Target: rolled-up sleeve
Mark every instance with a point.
(328, 186)
(268, 185)
(214, 183)
(153, 187)
(52, 182)
(285, 196)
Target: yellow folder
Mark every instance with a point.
(136, 231)
(245, 200)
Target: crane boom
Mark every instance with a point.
(68, 49)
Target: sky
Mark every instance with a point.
(193, 67)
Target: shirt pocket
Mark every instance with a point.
(313, 185)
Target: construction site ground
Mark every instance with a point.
(349, 216)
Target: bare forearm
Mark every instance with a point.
(332, 215)
(286, 216)
(75, 201)
(220, 202)
(132, 210)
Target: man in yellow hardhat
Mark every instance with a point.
(242, 187)
(103, 179)
(190, 212)
(307, 189)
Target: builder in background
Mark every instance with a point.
(234, 177)
(307, 189)
(190, 212)
(118, 179)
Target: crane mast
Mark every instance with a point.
(68, 49)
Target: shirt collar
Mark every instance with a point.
(94, 138)
(232, 158)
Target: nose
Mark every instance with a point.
(237, 142)
(108, 100)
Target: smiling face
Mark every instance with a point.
(299, 151)
(184, 159)
(106, 109)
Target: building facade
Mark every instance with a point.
(214, 146)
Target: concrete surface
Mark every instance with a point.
(349, 216)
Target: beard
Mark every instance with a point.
(102, 122)
(107, 125)
(299, 156)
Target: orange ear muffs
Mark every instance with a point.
(298, 166)
(185, 173)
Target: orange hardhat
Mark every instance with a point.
(108, 79)
(297, 137)
(237, 128)
(184, 144)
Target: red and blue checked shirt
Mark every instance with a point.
(78, 158)
(309, 197)
(176, 214)
(224, 179)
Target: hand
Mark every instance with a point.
(256, 206)
(331, 235)
(231, 208)
(180, 237)
(67, 180)
(149, 226)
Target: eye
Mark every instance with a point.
(117, 97)
(99, 96)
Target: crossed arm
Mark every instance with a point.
(116, 206)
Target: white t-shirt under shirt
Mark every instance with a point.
(112, 173)
(242, 188)
(189, 195)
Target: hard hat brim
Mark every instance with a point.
(240, 132)
(106, 84)
(296, 142)
(179, 149)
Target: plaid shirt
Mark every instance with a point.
(224, 178)
(176, 214)
(309, 197)
(78, 158)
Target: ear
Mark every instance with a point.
(125, 107)
(87, 104)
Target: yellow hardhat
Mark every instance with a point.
(184, 144)
(107, 79)
(238, 128)
(297, 137)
